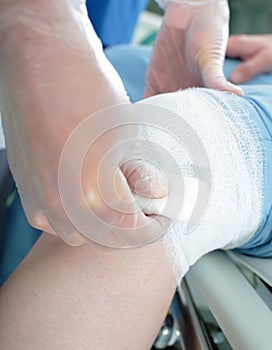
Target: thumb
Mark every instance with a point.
(214, 77)
(145, 180)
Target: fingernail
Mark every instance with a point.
(240, 91)
(235, 89)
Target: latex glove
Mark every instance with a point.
(190, 48)
(255, 51)
(51, 79)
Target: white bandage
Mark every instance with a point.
(231, 142)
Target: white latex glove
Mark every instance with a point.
(53, 75)
(190, 47)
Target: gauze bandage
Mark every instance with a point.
(230, 178)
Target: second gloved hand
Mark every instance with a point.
(190, 47)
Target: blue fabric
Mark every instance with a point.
(131, 64)
(18, 239)
(260, 96)
(114, 20)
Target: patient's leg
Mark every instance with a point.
(85, 298)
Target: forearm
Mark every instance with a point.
(53, 75)
(85, 298)
(48, 63)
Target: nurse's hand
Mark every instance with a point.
(53, 75)
(256, 53)
(190, 48)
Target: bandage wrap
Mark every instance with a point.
(231, 141)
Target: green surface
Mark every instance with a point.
(247, 16)
(251, 16)
(153, 6)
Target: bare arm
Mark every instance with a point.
(88, 297)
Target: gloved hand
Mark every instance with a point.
(53, 75)
(190, 47)
(255, 51)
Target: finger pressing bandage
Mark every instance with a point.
(158, 206)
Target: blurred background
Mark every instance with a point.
(247, 17)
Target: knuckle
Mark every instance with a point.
(241, 38)
(51, 197)
(38, 220)
(267, 56)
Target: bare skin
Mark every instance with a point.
(255, 51)
(87, 297)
